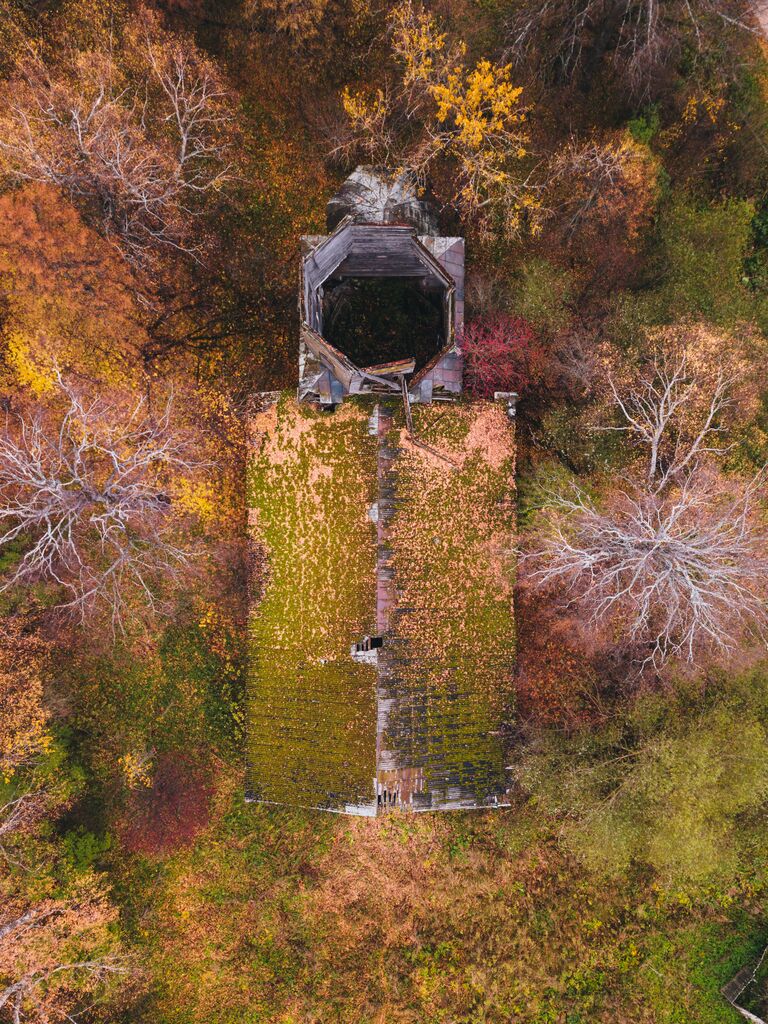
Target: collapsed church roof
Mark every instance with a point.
(381, 627)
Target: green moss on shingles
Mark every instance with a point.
(453, 539)
(312, 735)
(312, 709)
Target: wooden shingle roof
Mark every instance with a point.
(362, 533)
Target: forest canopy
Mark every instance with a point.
(160, 161)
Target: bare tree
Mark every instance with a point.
(300, 20)
(641, 35)
(16, 815)
(43, 971)
(596, 170)
(604, 184)
(135, 154)
(654, 414)
(196, 113)
(91, 500)
(678, 554)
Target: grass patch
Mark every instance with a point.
(289, 917)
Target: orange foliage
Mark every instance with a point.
(69, 296)
(554, 670)
(47, 950)
(23, 718)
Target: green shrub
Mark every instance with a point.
(645, 126)
(83, 849)
(541, 293)
(749, 441)
(700, 259)
(536, 485)
(677, 784)
(571, 434)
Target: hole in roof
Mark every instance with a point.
(368, 643)
(378, 320)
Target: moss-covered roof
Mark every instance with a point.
(430, 568)
(312, 722)
(450, 661)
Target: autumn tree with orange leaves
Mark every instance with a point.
(23, 718)
(133, 133)
(67, 296)
(52, 954)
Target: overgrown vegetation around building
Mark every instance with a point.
(158, 163)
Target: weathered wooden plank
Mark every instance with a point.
(342, 368)
(398, 366)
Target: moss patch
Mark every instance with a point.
(312, 709)
(453, 538)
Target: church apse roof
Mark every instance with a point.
(381, 287)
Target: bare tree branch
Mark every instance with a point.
(652, 412)
(640, 35)
(89, 501)
(678, 557)
(87, 130)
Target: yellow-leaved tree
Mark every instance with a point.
(441, 110)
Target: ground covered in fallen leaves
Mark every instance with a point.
(287, 917)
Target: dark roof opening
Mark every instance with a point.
(368, 643)
(375, 320)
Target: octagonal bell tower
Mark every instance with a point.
(382, 297)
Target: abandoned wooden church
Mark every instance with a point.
(381, 517)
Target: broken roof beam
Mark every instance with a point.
(398, 366)
(331, 357)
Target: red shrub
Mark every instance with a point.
(502, 353)
(170, 814)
